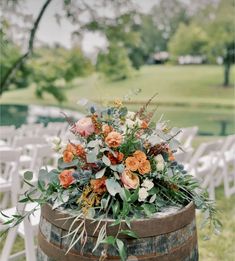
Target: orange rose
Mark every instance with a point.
(80, 151)
(106, 129)
(67, 156)
(171, 157)
(115, 159)
(70, 147)
(130, 180)
(113, 139)
(144, 167)
(98, 185)
(144, 125)
(132, 163)
(66, 178)
(140, 156)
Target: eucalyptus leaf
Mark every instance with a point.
(113, 186)
(106, 160)
(28, 175)
(100, 173)
(121, 249)
(91, 157)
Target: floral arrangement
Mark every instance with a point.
(119, 166)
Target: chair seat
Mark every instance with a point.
(34, 219)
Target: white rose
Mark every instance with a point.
(148, 184)
(129, 123)
(160, 166)
(143, 194)
(159, 158)
(130, 115)
(160, 162)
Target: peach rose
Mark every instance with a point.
(130, 180)
(144, 167)
(106, 129)
(115, 159)
(98, 185)
(113, 139)
(84, 127)
(67, 156)
(132, 163)
(66, 178)
(140, 156)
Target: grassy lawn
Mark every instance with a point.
(188, 95)
(218, 248)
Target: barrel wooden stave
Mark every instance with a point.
(178, 245)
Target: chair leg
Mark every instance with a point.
(29, 241)
(5, 200)
(11, 236)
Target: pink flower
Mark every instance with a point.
(84, 127)
(130, 180)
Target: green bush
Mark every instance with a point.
(115, 64)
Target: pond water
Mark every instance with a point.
(23, 114)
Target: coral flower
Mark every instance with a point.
(130, 180)
(106, 129)
(132, 163)
(113, 139)
(66, 178)
(80, 151)
(98, 185)
(144, 125)
(115, 159)
(171, 156)
(67, 156)
(140, 156)
(70, 147)
(84, 127)
(144, 167)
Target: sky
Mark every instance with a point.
(51, 32)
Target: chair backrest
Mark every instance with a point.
(186, 136)
(61, 127)
(24, 141)
(7, 133)
(29, 129)
(228, 144)
(41, 157)
(45, 132)
(9, 161)
(206, 149)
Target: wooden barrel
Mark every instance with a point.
(172, 237)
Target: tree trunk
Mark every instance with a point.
(15, 67)
(227, 66)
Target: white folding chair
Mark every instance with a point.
(9, 177)
(7, 134)
(61, 127)
(27, 144)
(27, 230)
(29, 129)
(203, 164)
(186, 136)
(42, 157)
(226, 166)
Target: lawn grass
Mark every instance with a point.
(218, 248)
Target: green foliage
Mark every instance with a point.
(115, 64)
(53, 69)
(188, 39)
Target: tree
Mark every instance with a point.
(115, 64)
(188, 40)
(101, 12)
(54, 68)
(221, 34)
(167, 15)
